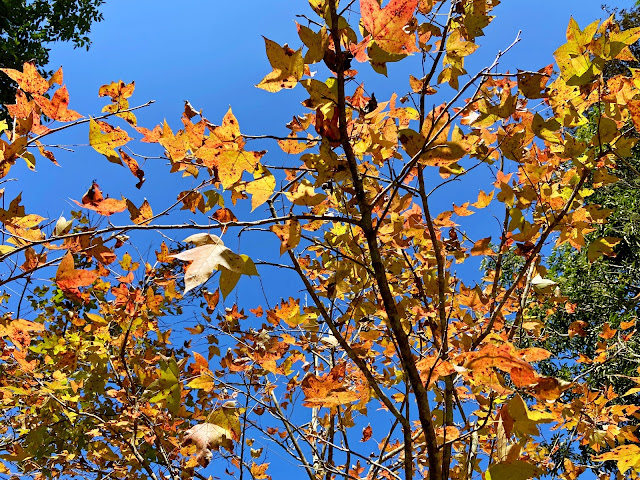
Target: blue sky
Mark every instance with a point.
(212, 54)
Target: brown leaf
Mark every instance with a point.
(366, 433)
(133, 166)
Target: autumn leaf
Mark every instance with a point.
(140, 215)
(261, 188)
(288, 67)
(57, 107)
(105, 143)
(133, 166)
(328, 390)
(526, 421)
(106, 206)
(288, 233)
(29, 79)
(503, 358)
(305, 194)
(367, 432)
(626, 456)
(119, 92)
(482, 247)
(259, 471)
(484, 199)
(69, 279)
(602, 246)
(512, 470)
(209, 254)
(387, 25)
(293, 146)
(232, 163)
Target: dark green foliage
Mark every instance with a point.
(27, 27)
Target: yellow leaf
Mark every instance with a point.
(203, 382)
(305, 195)
(289, 234)
(602, 246)
(288, 67)
(627, 456)
(105, 143)
(516, 470)
(261, 188)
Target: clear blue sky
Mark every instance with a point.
(212, 53)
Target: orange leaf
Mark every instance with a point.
(289, 234)
(329, 390)
(57, 107)
(503, 358)
(133, 166)
(462, 210)
(481, 247)
(107, 207)
(608, 332)
(258, 471)
(387, 25)
(29, 79)
(367, 432)
(69, 279)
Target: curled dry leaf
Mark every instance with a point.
(207, 437)
(93, 200)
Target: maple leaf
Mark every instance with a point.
(140, 215)
(259, 471)
(57, 107)
(231, 163)
(329, 390)
(602, 246)
(387, 25)
(261, 188)
(209, 254)
(626, 457)
(119, 92)
(29, 79)
(288, 67)
(305, 194)
(69, 279)
(105, 143)
(503, 358)
(288, 233)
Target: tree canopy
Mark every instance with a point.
(27, 28)
(124, 352)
